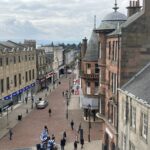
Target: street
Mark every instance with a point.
(27, 132)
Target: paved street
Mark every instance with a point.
(27, 132)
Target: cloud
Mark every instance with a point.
(53, 19)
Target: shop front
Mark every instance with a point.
(21, 94)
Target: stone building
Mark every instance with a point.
(17, 71)
(41, 66)
(123, 50)
(89, 76)
(134, 112)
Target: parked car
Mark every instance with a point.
(69, 71)
(41, 104)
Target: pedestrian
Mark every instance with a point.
(49, 111)
(82, 142)
(62, 143)
(63, 93)
(72, 124)
(75, 145)
(64, 135)
(79, 128)
(50, 144)
(26, 100)
(10, 134)
(32, 99)
(53, 137)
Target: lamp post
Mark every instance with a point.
(89, 112)
(67, 103)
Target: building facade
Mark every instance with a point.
(134, 112)
(41, 66)
(89, 74)
(123, 51)
(17, 71)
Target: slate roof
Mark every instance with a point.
(92, 48)
(111, 21)
(139, 85)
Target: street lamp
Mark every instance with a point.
(89, 112)
(67, 103)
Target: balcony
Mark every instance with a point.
(90, 76)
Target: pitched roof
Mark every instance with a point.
(139, 85)
(92, 48)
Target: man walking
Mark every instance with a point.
(49, 111)
(72, 124)
(75, 145)
(62, 143)
(10, 134)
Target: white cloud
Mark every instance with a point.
(53, 19)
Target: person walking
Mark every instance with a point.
(10, 134)
(62, 143)
(64, 135)
(26, 100)
(72, 124)
(75, 145)
(53, 137)
(49, 111)
(82, 142)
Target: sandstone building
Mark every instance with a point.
(17, 71)
(134, 112)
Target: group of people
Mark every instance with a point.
(48, 142)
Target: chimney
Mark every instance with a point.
(134, 7)
(83, 47)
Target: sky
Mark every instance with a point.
(53, 20)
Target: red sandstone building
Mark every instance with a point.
(123, 50)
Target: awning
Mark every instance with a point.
(85, 101)
(4, 104)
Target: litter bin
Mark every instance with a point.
(19, 117)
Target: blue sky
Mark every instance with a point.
(53, 20)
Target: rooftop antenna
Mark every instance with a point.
(116, 7)
(94, 21)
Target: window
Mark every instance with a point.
(88, 66)
(144, 123)
(96, 68)
(26, 76)
(19, 78)
(19, 59)
(14, 59)
(131, 146)
(2, 85)
(30, 75)
(133, 117)
(15, 80)
(1, 61)
(7, 61)
(32, 57)
(25, 57)
(88, 88)
(33, 74)
(7, 83)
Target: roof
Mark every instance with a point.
(132, 18)
(111, 21)
(92, 48)
(139, 85)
